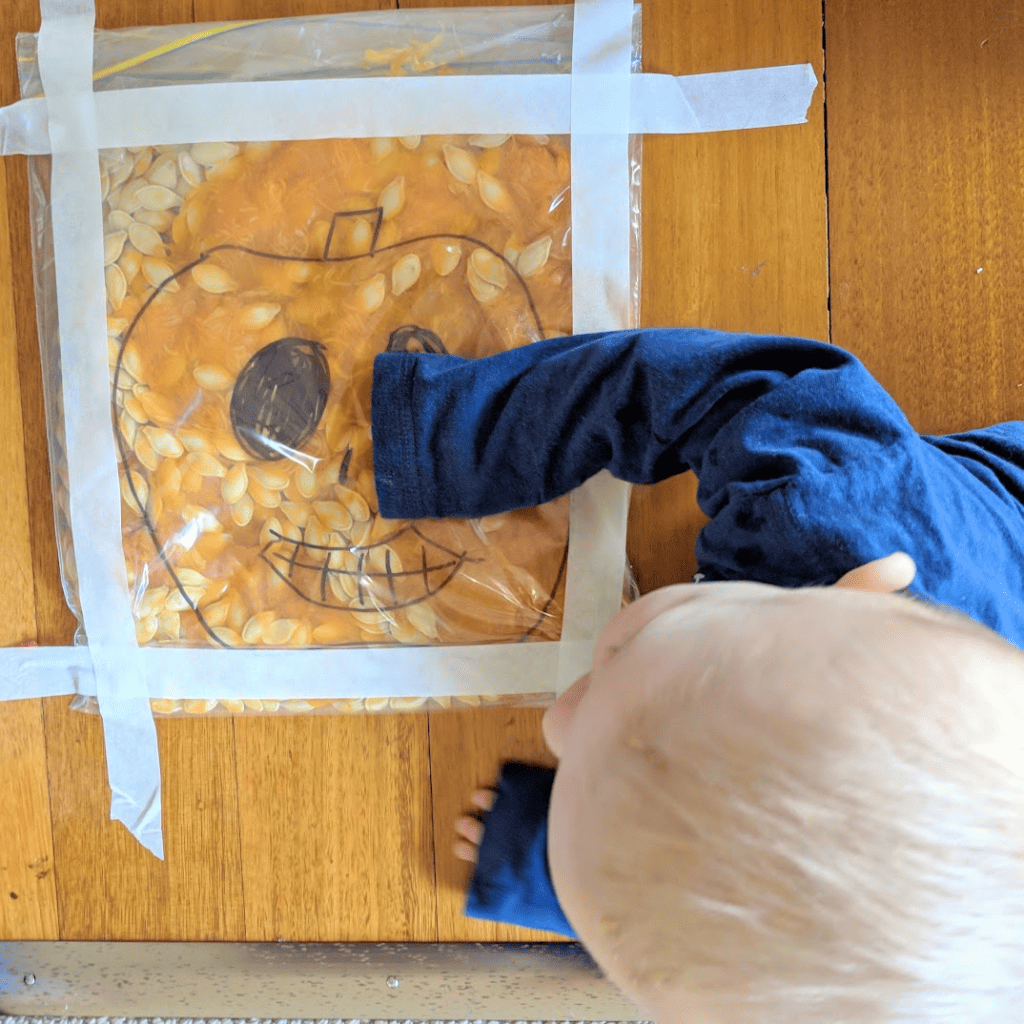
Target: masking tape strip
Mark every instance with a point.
(133, 765)
(183, 674)
(602, 49)
(520, 104)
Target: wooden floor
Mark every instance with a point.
(892, 223)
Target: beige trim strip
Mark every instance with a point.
(368, 981)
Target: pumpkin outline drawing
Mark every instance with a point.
(283, 554)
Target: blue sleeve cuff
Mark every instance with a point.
(512, 881)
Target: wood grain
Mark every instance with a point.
(335, 833)
(110, 888)
(926, 190)
(28, 903)
(340, 828)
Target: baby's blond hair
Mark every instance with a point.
(861, 861)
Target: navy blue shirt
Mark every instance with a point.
(806, 468)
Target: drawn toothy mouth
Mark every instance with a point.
(363, 578)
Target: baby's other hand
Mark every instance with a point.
(473, 829)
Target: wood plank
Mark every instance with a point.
(241, 10)
(336, 841)
(110, 888)
(926, 186)
(734, 237)
(28, 895)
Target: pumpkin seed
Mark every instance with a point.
(145, 453)
(164, 442)
(493, 193)
(159, 274)
(423, 619)
(406, 703)
(213, 279)
(206, 464)
(117, 286)
(130, 263)
(460, 163)
(146, 239)
(380, 147)
(209, 154)
(169, 624)
(119, 220)
(242, 510)
(445, 256)
(333, 514)
(141, 489)
(189, 169)
(227, 636)
(198, 707)
(278, 633)
(164, 172)
(256, 317)
(489, 267)
(145, 629)
(157, 408)
(212, 378)
(405, 274)
(371, 295)
(268, 476)
(158, 220)
(392, 199)
(266, 497)
(361, 236)
(534, 256)
(113, 244)
(158, 197)
(488, 141)
(235, 483)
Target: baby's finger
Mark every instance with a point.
(484, 798)
(471, 829)
(465, 851)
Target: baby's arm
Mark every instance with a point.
(807, 467)
(454, 436)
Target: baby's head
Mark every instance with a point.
(792, 806)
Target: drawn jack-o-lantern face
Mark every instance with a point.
(242, 408)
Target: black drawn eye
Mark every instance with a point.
(279, 397)
(412, 338)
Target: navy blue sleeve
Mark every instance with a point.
(512, 881)
(807, 468)
(460, 437)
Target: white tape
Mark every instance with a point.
(133, 764)
(602, 50)
(250, 673)
(539, 105)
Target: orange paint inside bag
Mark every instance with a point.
(249, 289)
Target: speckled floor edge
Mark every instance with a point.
(222, 1020)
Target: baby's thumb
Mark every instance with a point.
(882, 576)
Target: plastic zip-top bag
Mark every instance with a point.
(249, 284)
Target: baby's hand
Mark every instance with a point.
(473, 829)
